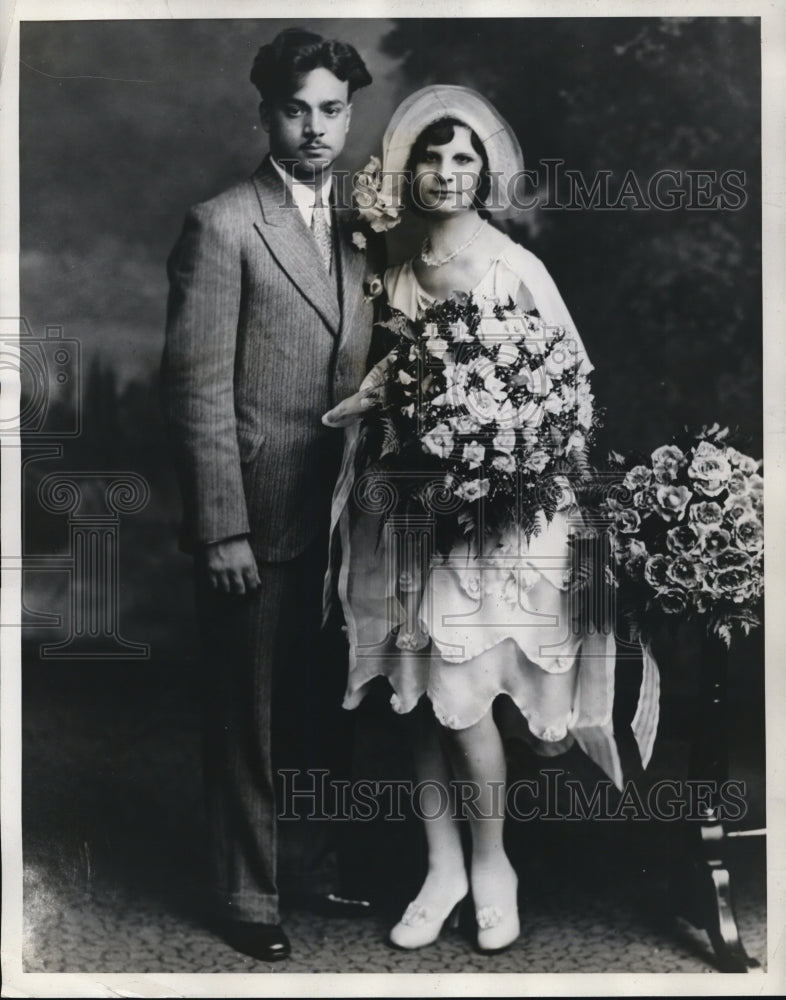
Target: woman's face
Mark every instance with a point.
(446, 177)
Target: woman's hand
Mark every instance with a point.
(370, 394)
(354, 407)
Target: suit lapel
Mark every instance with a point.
(282, 228)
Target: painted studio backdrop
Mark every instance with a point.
(643, 139)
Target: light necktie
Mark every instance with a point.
(320, 227)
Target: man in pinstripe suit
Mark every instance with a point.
(267, 329)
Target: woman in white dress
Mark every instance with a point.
(492, 618)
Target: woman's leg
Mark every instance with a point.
(446, 875)
(446, 880)
(478, 761)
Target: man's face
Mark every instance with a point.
(309, 127)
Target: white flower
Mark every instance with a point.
(672, 501)
(710, 471)
(584, 414)
(505, 440)
(562, 357)
(470, 583)
(706, 449)
(530, 414)
(627, 520)
(666, 461)
(505, 463)
(745, 463)
(749, 533)
(473, 490)
(373, 287)
(529, 436)
(506, 414)
(635, 555)
(638, 476)
(705, 515)
(683, 539)
(359, 240)
(515, 328)
(495, 385)
(491, 330)
(507, 355)
(437, 347)
(455, 393)
(575, 441)
(737, 506)
(473, 454)
(482, 405)
(438, 441)
(755, 485)
(404, 378)
(537, 460)
(554, 404)
(377, 197)
(464, 424)
(537, 382)
(583, 389)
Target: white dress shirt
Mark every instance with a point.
(304, 195)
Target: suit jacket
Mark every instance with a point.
(260, 342)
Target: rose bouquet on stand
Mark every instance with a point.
(686, 533)
(685, 525)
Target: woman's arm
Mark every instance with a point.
(371, 393)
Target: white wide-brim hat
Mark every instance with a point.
(433, 103)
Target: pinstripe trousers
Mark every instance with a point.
(260, 721)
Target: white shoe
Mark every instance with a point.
(498, 926)
(421, 925)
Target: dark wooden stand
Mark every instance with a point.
(702, 886)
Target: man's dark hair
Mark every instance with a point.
(440, 133)
(280, 65)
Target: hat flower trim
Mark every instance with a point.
(377, 197)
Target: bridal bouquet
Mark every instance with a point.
(489, 400)
(686, 533)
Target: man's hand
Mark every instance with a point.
(231, 567)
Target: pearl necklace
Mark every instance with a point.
(427, 255)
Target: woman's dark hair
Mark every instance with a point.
(440, 133)
(280, 65)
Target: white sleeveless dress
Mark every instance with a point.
(484, 623)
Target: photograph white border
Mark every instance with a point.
(17, 983)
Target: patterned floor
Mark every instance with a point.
(114, 864)
(570, 929)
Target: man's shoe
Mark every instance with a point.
(265, 942)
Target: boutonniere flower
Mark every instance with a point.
(372, 287)
(359, 240)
